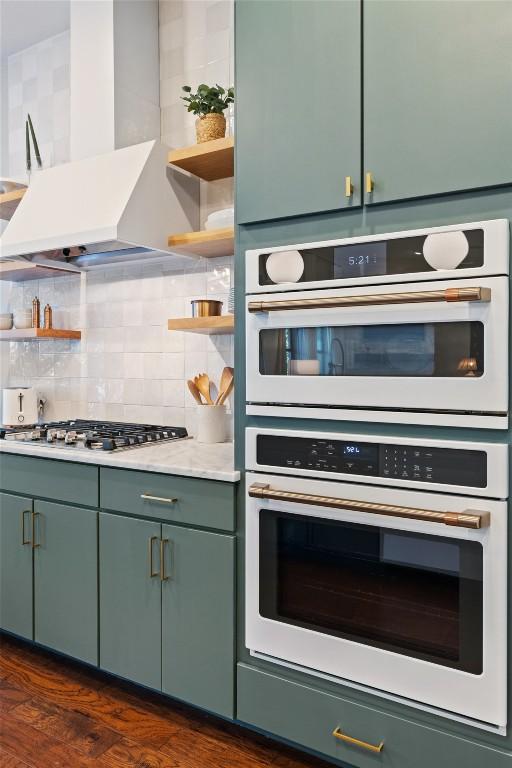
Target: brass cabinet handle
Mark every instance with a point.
(163, 542)
(23, 539)
(35, 515)
(375, 299)
(160, 499)
(468, 519)
(369, 183)
(377, 748)
(349, 187)
(152, 573)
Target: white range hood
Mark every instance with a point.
(111, 207)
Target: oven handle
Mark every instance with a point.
(468, 519)
(336, 302)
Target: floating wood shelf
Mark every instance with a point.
(32, 334)
(208, 325)
(208, 243)
(210, 160)
(9, 201)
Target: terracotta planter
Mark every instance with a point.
(209, 127)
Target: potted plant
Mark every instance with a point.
(209, 103)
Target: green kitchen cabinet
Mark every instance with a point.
(130, 598)
(66, 579)
(198, 628)
(16, 585)
(298, 107)
(437, 96)
(167, 601)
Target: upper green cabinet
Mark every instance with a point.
(437, 96)
(436, 93)
(298, 118)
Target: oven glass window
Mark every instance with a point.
(397, 256)
(413, 594)
(415, 349)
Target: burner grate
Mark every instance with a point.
(95, 435)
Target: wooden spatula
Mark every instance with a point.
(202, 382)
(195, 392)
(227, 382)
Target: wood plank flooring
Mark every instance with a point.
(55, 713)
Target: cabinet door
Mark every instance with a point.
(130, 599)
(298, 113)
(16, 595)
(66, 580)
(198, 604)
(437, 96)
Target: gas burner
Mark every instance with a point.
(94, 435)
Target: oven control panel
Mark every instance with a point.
(404, 462)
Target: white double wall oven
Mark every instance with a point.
(381, 562)
(408, 327)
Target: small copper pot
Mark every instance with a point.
(206, 308)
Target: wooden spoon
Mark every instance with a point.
(202, 382)
(225, 380)
(195, 392)
(227, 388)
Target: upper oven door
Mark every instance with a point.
(439, 346)
(396, 590)
(437, 253)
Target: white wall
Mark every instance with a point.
(38, 83)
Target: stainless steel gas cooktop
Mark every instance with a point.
(93, 435)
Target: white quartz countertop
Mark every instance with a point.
(179, 457)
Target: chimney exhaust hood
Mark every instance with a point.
(113, 207)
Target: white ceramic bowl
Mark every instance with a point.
(23, 318)
(6, 321)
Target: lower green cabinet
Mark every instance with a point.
(198, 618)
(130, 599)
(66, 579)
(16, 583)
(167, 609)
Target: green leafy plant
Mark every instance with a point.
(208, 99)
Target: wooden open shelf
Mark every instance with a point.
(9, 201)
(32, 334)
(208, 325)
(208, 243)
(210, 160)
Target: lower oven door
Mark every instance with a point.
(394, 590)
(428, 347)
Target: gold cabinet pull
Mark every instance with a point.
(163, 542)
(448, 295)
(468, 519)
(35, 516)
(349, 187)
(152, 573)
(369, 183)
(23, 539)
(376, 748)
(160, 499)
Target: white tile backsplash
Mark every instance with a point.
(128, 366)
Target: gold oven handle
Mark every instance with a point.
(375, 299)
(467, 519)
(377, 748)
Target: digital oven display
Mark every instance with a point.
(360, 260)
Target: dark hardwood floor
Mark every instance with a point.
(55, 713)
